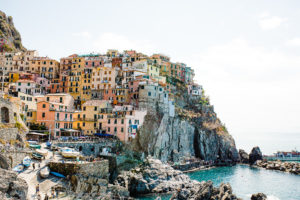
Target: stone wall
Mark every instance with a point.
(8, 134)
(99, 169)
(88, 148)
(13, 158)
(6, 112)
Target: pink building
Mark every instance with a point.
(55, 111)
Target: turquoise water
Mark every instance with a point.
(246, 181)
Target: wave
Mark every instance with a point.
(272, 197)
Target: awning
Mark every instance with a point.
(70, 130)
(103, 135)
(34, 133)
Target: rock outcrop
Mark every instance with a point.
(194, 131)
(244, 157)
(206, 191)
(12, 187)
(259, 196)
(154, 177)
(10, 34)
(290, 167)
(255, 155)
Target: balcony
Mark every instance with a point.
(86, 119)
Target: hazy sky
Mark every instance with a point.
(246, 53)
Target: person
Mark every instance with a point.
(46, 197)
(52, 193)
(39, 165)
(37, 188)
(56, 192)
(39, 197)
(33, 166)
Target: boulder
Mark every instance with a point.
(244, 157)
(205, 191)
(255, 155)
(259, 196)
(11, 186)
(154, 177)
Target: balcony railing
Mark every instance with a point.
(85, 119)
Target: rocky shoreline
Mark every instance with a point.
(255, 159)
(155, 177)
(289, 167)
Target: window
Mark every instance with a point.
(48, 98)
(83, 124)
(84, 108)
(43, 115)
(149, 94)
(78, 124)
(116, 121)
(95, 124)
(108, 129)
(44, 105)
(60, 99)
(122, 130)
(66, 116)
(122, 121)
(130, 121)
(108, 121)
(115, 129)
(95, 108)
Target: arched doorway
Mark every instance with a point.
(4, 115)
(3, 162)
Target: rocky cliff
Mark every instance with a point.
(12, 187)
(9, 33)
(194, 131)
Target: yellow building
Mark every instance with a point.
(86, 84)
(75, 77)
(112, 53)
(45, 67)
(90, 119)
(13, 77)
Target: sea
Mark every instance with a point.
(246, 180)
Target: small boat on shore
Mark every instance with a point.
(42, 152)
(37, 156)
(44, 172)
(48, 144)
(26, 161)
(57, 174)
(69, 153)
(19, 168)
(35, 146)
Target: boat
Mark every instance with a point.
(35, 146)
(57, 174)
(48, 145)
(44, 172)
(26, 161)
(42, 152)
(69, 153)
(19, 168)
(37, 156)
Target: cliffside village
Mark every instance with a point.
(91, 94)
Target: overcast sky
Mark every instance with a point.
(246, 53)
